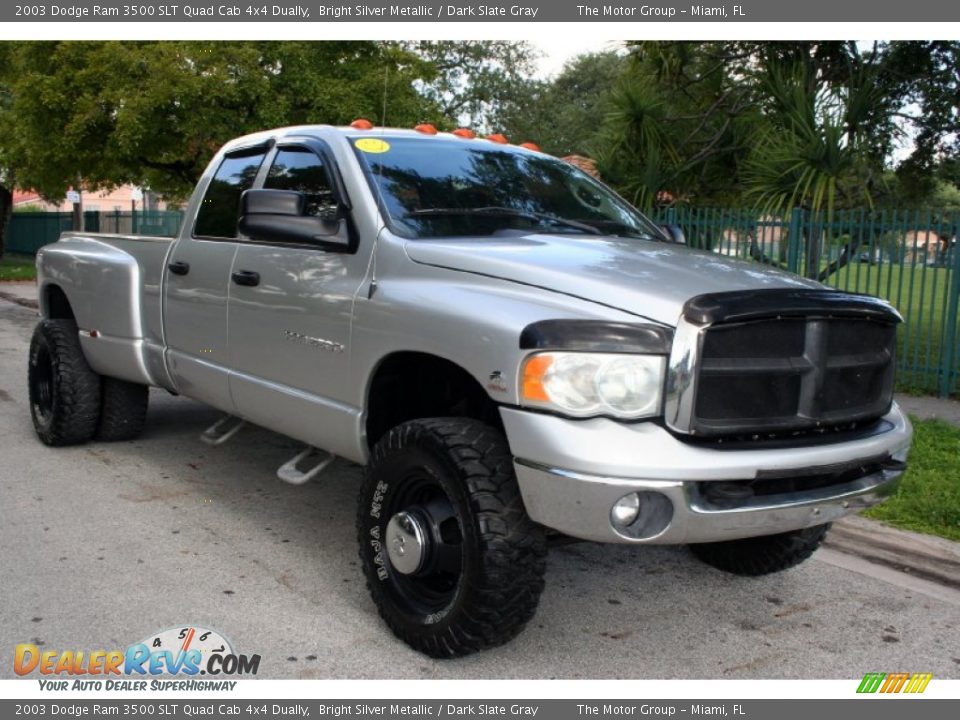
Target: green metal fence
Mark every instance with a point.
(909, 257)
(29, 231)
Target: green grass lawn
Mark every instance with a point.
(928, 500)
(17, 267)
(920, 294)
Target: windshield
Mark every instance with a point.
(434, 187)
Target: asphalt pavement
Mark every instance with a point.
(106, 544)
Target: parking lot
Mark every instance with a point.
(103, 545)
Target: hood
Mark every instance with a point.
(642, 277)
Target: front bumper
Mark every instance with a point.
(571, 472)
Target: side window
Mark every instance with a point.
(217, 216)
(303, 171)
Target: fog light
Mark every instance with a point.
(625, 510)
(641, 515)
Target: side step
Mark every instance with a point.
(290, 471)
(222, 430)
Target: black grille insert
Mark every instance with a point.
(728, 494)
(793, 373)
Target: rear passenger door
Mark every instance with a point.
(290, 331)
(197, 282)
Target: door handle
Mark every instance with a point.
(179, 267)
(246, 277)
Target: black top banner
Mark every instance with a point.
(471, 11)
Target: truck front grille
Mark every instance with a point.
(795, 371)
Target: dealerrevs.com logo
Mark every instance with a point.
(187, 652)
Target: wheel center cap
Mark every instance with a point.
(406, 543)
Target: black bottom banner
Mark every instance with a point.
(874, 708)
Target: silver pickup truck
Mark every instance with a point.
(514, 353)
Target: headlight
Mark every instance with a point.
(590, 384)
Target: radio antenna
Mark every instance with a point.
(380, 204)
(386, 75)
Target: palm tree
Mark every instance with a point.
(814, 152)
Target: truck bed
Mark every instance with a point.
(114, 283)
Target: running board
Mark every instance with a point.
(290, 471)
(222, 430)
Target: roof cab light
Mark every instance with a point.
(582, 384)
(531, 146)
(426, 129)
(465, 133)
(361, 124)
(498, 138)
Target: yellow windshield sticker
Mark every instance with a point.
(372, 145)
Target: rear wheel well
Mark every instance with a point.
(56, 304)
(411, 385)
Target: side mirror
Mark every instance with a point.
(674, 233)
(280, 216)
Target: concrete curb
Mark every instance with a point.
(924, 556)
(25, 302)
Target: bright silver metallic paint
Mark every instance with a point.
(462, 300)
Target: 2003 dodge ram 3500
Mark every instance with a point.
(512, 350)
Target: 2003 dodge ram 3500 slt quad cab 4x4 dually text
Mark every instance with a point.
(512, 350)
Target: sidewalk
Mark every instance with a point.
(925, 556)
(931, 408)
(22, 293)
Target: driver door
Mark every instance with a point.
(290, 313)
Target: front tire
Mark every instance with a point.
(451, 559)
(762, 555)
(64, 391)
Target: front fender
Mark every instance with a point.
(473, 321)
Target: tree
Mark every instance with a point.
(784, 126)
(6, 170)
(476, 79)
(679, 122)
(926, 77)
(154, 113)
(814, 149)
(565, 115)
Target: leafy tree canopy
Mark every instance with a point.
(780, 124)
(153, 113)
(476, 80)
(564, 115)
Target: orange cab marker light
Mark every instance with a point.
(498, 138)
(465, 133)
(531, 146)
(426, 129)
(533, 372)
(361, 124)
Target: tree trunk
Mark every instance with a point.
(6, 210)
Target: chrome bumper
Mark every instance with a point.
(572, 472)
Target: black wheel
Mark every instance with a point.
(762, 555)
(123, 409)
(64, 391)
(452, 560)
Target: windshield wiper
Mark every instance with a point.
(509, 212)
(621, 229)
